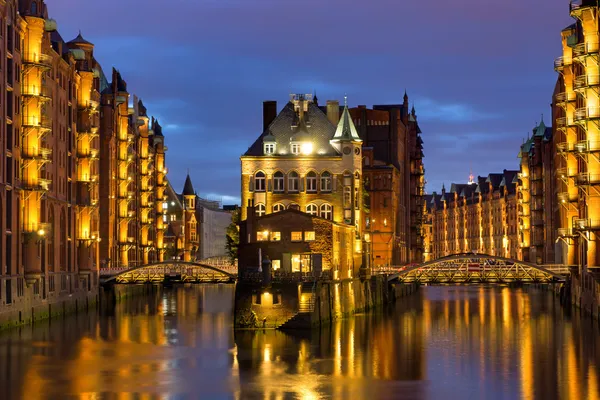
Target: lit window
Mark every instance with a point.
(312, 209)
(295, 148)
(173, 217)
(165, 205)
(311, 182)
(260, 210)
(164, 217)
(296, 236)
(262, 236)
(326, 211)
(275, 264)
(259, 182)
(278, 207)
(325, 182)
(278, 182)
(269, 148)
(309, 235)
(275, 236)
(293, 182)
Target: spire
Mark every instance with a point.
(346, 131)
(405, 97)
(188, 188)
(315, 99)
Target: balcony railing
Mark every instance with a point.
(585, 178)
(36, 91)
(564, 122)
(566, 172)
(565, 232)
(586, 224)
(37, 122)
(587, 113)
(559, 63)
(565, 147)
(37, 59)
(565, 197)
(584, 49)
(565, 97)
(583, 81)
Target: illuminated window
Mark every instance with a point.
(347, 196)
(276, 264)
(325, 182)
(312, 209)
(278, 182)
(259, 182)
(278, 207)
(296, 236)
(326, 211)
(165, 205)
(164, 217)
(269, 148)
(309, 236)
(311, 182)
(173, 217)
(293, 181)
(262, 236)
(295, 148)
(275, 236)
(260, 210)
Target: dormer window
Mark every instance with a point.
(269, 148)
(295, 148)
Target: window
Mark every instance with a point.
(325, 182)
(294, 206)
(259, 182)
(295, 148)
(278, 185)
(33, 8)
(309, 236)
(312, 209)
(262, 236)
(276, 264)
(347, 196)
(278, 207)
(296, 236)
(269, 148)
(311, 182)
(293, 181)
(260, 210)
(326, 211)
(275, 236)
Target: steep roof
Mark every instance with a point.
(346, 131)
(80, 40)
(188, 188)
(286, 127)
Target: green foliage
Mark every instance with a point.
(233, 236)
(366, 200)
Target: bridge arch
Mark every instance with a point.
(184, 271)
(475, 268)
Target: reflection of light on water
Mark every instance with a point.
(267, 353)
(593, 389)
(526, 365)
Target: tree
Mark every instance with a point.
(233, 236)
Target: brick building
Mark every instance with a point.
(306, 160)
(479, 216)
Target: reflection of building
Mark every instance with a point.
(196, 227)
(309, 161)
(394, 179)
(479, 216)
(84, 171)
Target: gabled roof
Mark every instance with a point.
(286, 126)
(80, 40)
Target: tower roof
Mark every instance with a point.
(188, 188)
(346, 129)
(80, 40)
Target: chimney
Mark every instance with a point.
(269, 113)
(333, 111)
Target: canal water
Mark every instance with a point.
(464, 342)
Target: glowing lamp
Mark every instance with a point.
(41, 232)
(306, 148)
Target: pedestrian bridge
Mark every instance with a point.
(174, 271)
(477, 268)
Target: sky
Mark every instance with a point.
(479, 72)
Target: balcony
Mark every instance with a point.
(585, 178)
(577, 7)
(41, 91)
(585, 81)
(92, 155)
(585, 49)
(559, 64)
(37, 122)
(565, 172)
(565, 197)
(564, 122)
(40, 60)
(585, 113)
(37, 153)
(565, 232)
(565, 97)
(586, 224)
(42, 185)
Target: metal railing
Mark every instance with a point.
(36, 90)
(37, 122)
(587, 113)
(586, 224)
(37, 58)
(585, 178)
(565, 96)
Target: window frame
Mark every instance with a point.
(312, 182)
(293, 177)
(280, 207)
(260, 177)
(260, 210)
(312, 209)
(295, 148)
(325, 209)
(278, 182)
(327, 178)
(296, 233)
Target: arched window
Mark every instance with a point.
(259, 182)
(34, 8)
(312, 209)
(326, 182)
(278, 182)
(293, 206)
(260, 210)
(293, 181)
(326, 211)
(311, 182)
(278, 207)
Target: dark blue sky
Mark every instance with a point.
(480, 72)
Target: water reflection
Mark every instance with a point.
(444, 342)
